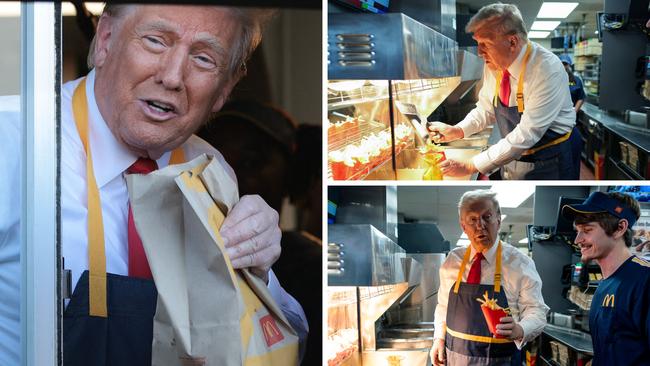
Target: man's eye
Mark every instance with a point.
(154, 42)
(204, 61)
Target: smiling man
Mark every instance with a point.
(619, 319)
(525, 93)
(489, 266)
(159, 73)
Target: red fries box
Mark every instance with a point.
(492, 313)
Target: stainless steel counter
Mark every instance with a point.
(572, 338)
(637, 136)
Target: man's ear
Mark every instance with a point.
(103, 38)
(622, 228)
(514, 41)
(225, 93)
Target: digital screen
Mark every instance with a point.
(378, 6)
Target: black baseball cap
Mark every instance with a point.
(599, 202)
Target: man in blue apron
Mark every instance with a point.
(159, 72)
(487, 268)
(619, 318)
(535, 120)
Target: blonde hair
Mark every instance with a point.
(503, 19)
(252, 20)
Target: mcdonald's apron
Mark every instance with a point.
(109, 319)
(468, 340)
(551, 158)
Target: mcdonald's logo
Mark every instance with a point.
(272, 334)
(608, 301)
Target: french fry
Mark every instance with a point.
(492, 313)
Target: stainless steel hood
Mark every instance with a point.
(387, 47)
(360, 255)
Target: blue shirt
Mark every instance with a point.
(620, 316)
(576, 89)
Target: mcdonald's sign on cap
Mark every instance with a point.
(272, 333)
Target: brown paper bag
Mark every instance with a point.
(207, 313)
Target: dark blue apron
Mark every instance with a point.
(554, 162)
(551, 158)
(124, 338)
(468, 340)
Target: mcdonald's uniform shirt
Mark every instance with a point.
(519, 280)
(619, 319)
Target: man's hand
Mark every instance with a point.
(509, 328)
(252, 236)
(442, 132)
(438, 352)
(455, 168)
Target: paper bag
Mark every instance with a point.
(207, 313)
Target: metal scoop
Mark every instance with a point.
(411, 113)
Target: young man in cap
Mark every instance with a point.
(619, 318)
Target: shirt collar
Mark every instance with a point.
(110, 157)
(490, 255)
(515, 67)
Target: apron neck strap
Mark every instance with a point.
(497, 271)
(520, 84)
(96, 246)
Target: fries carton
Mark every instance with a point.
(492, 313)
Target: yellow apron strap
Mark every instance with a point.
(96, 248)
(475, 338)
(462, 268)
(177, 157)
(497, 271)
(520, 85)
(558, 140)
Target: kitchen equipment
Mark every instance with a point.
(411, 113)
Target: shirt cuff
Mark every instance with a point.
(483, 163)
(527, 329)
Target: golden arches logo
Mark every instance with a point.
(608, 301)
(270, 329)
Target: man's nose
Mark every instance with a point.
(171, 69)
(579, 238)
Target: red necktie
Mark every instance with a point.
(504, 90)
(138, 265)
(474, 275)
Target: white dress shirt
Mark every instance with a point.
(110, 160)
(519, 280)
(547, 105)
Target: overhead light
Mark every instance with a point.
(596, 32)
(523, 241)
(556, 10)
(512, 195)
(545, 25)
(538, 34)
